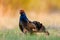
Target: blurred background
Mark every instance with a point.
(44, 11)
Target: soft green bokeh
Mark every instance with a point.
(16, 34)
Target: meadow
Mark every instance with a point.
(16, 34)
(45, 11)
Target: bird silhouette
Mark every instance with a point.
(28, 26)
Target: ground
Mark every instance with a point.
(16, 34)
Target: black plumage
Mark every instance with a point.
(25, 23)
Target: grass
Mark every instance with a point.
(16, 34)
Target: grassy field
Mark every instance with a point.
(16, 34)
